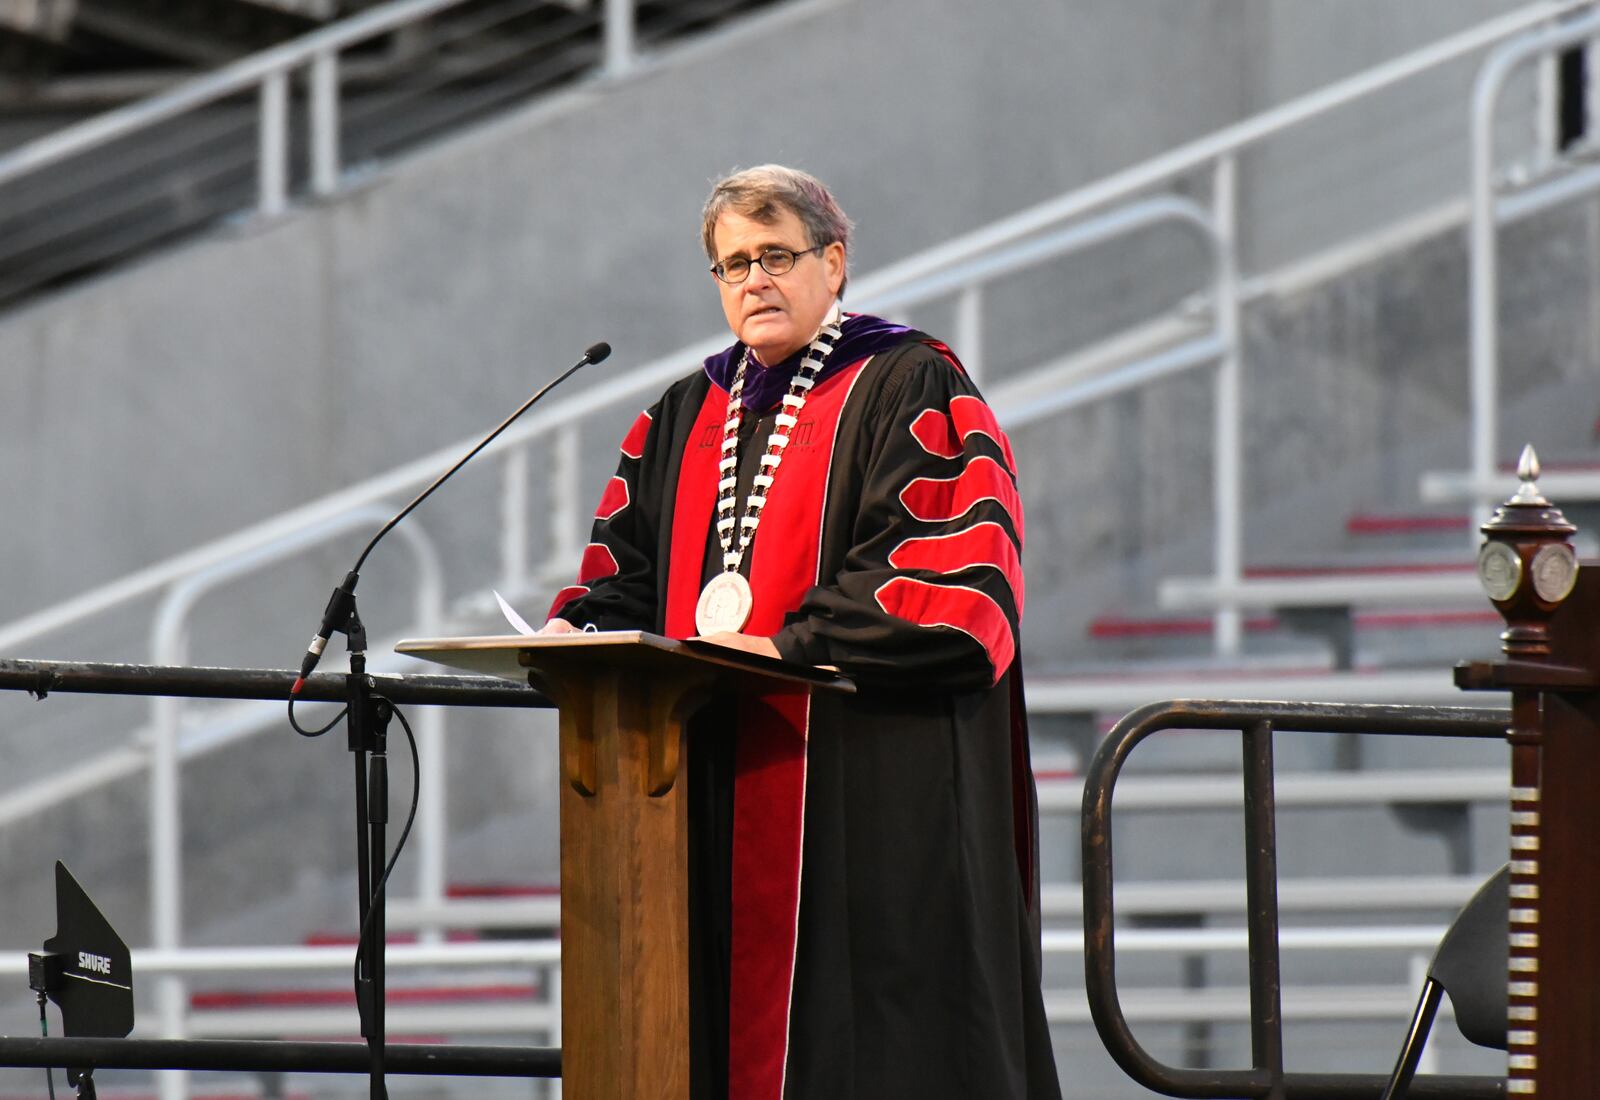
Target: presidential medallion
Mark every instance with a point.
(724, 604)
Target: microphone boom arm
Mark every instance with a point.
(341, 605)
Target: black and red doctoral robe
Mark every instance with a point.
(864, 902)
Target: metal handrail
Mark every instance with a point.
(280, 1056)
(249, 72)
(326, 42)
(1229, 141)
(1486, 213)
(1484, 274)
(646, 380)
(60, 223)
(245, 683)
(314, 959)
(145, 204)
(169, 647)
(40, 678)
(229, 80)
(1257, 723)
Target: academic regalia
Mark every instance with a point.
(864, 888)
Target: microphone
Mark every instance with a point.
(342, 602)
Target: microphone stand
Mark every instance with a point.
(366, 733)
(367, 728)
(366, 725)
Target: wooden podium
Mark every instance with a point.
(624, 700)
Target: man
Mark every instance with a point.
(832, 490)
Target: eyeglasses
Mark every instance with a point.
(774, 261)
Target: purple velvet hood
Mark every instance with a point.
(861, 335)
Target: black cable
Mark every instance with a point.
(303, 732)
(44, 1031)
(411, 816)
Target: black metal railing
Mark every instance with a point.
(1256, 722)
(280, 1056)
(41, 678)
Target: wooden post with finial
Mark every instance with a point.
(1551, 646)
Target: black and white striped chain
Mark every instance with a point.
(805, 377)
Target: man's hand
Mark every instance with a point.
(747, 642)
(558, 626)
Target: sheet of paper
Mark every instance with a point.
(512, 617)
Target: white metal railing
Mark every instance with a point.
(1218, 154)
(313, 960)
(169, 646)
(555, 422)
(540, 1015)
(225, 143)
(1151, 795)
(1226, 591)
(542, 957)
(1484, 483)
(267, 74)
(1063, 901)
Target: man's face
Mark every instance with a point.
(776, 315)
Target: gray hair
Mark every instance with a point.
(763, 193)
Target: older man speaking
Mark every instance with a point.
(832, 490)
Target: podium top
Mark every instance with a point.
(510, 656)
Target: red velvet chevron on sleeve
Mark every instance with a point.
(564, 597)
(936, 434)
(613, 500)
(971, 416)
(633, 443)
(944, 435)
(965, 609)
(614, 576)
(983, 545)
(598, 563)
(940, 500)
(959, 562)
